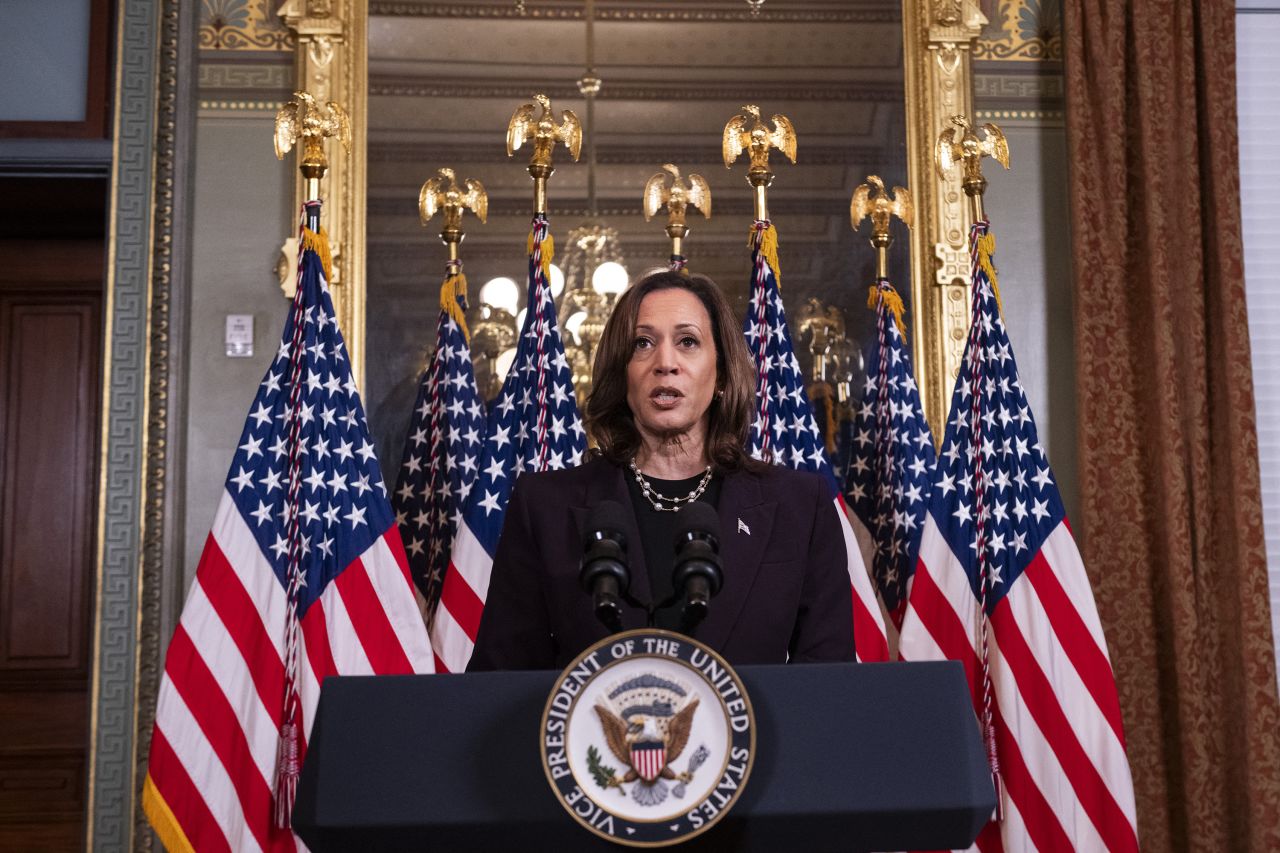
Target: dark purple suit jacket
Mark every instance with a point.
(786, 593)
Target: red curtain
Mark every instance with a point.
(1167, 441)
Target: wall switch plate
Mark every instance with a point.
(239, 336)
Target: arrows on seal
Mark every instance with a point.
(695, 761)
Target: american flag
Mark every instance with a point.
(442, 450)
(1000, 586)
(785, 431)
(889, 475)
(533, 426)
(303, 576)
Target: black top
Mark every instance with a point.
(657, 536)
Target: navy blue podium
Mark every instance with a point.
(848, 757)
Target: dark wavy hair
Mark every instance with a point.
(610, 419)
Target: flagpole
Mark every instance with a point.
(959, 145)
(677, 199)
(447, 404)
(748, 132)
(544, 132)
(442, 193)
(301, 118)
(881, 209)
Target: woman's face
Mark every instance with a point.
(671, 378)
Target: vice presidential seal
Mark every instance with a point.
(648, 738)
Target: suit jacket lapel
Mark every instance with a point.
(746, 521)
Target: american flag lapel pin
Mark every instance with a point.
(742, 527)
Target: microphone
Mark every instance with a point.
(603, 570)
(697, 575)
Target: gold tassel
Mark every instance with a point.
(768, 248)
(548, 253)
(454, 289)
(892, 302)
(987, 248)
(319, 243)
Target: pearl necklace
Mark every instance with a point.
(655, 500)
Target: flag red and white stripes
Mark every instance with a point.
(326, 549)
(1000, 587)
(533, 426)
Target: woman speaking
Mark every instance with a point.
(672, 396)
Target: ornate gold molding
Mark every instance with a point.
(938, 39)
(1023, 31)
(241, 25)
(331, 61)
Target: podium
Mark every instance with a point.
(848, 757)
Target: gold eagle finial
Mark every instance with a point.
(443, 193)
(676, 197)
(543, 130)
(960, 145)
(747, 131)
(879, 206)
(881, 209)
(302, 118)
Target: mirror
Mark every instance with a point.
(444, 80)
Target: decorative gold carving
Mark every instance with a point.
(959, 145)
(747, 132)
(443, 193)
(303, 119)
(331, 62)
(241, 25)
(952, 263)
(938, 37)
(240, 106)
(616, 11)
(677, 198)
(1023, 31)
(543, 131)
(881, 209)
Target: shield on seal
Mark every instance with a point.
(648, 758)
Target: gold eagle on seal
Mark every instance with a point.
(646, 724)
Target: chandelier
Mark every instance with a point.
(585, 284)
(594, 268)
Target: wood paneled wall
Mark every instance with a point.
(51, 296)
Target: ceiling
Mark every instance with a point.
(444, 79)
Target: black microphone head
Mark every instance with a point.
(606, 516)
(699, 520)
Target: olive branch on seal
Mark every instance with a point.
(606, 777)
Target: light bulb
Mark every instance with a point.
(609, 278)
(574, 323)
(557, 281)
(502, 364)
(501, 292)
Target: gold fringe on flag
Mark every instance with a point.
(893, 302)
(768, 248)
(162, 820)
(987, 248)
(453, 290)
(548, 252)
(319, 243)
